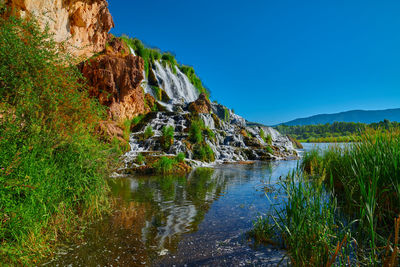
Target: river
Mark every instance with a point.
(198, 219)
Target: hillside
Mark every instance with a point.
(362, 116)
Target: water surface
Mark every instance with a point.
(198, 219)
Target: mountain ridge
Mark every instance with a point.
(358, 115)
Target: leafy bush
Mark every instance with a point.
(167, 138)
(148, 132)
(52, 165)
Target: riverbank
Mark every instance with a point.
(343, 205)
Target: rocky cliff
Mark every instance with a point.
(82, 25)
(115, 78)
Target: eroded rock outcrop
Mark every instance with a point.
(115, 79)
(201, 105)
(82, 24)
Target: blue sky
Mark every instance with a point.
(273, 61)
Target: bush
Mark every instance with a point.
(148, 132)
(52, 166)
(180, 157)
(164, 165)
(167, 138)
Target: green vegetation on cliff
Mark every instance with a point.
(150, 55)
(52, 166)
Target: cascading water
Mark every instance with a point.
(177, 86)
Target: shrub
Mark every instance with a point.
(52, 166)
(180, 157)
(269, 149)
(203, 152)
(195, 131)
(268, 139)
(167, 138)
(140, 159)
(148, 132)
(164, 165)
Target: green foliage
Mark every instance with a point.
(164, 165)
(52, 167)
(262, 134)
(194, 79)
(150, 55)
(203, 152)
(148, 132)
(269, 149)
(209, 133)
(196, 131)
(137, 119)
(226, 115)
(139, 159)
(268, 139)
(335, 132)
(365, 177)
(180, 157)
(167, 138)
(169, 59)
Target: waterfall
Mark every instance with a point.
(177, 86)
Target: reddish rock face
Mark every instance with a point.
(201, 105)
(114, 78)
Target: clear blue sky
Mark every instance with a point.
(273, 61)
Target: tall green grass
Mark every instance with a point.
(52, 166)
(342, 206)
(366, 179)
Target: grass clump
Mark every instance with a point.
(164, 165)
(196, 131)
(203, 152)
(52, 166)
(139, 159)
(180, 157)
(167, 138)
(148, 132)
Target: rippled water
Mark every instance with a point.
(198, 219)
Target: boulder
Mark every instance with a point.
(201, 105)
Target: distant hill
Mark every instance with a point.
(364, 116)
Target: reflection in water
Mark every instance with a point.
(197, 219)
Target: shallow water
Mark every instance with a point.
(198, 219)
